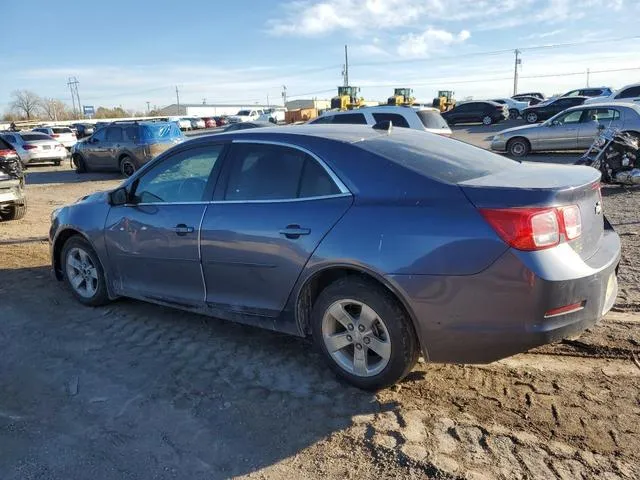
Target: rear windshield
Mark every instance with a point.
(443, 159)
(165, 131)
(35, 136)
(431, 119)
(61, 130)
(244, 113)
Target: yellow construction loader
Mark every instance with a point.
(402, 96)
(444, 101)
(347, 98)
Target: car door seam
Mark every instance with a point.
(204, 281)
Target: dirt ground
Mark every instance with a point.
(133, 390)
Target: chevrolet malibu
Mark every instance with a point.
(379, 244)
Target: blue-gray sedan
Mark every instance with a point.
(380, 244)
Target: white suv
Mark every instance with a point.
(245, 116)
(425, 119)
(630, 93)
(64, 135)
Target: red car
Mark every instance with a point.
(210, 122)
(221, 121)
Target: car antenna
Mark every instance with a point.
(386, 125)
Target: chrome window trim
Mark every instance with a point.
(221, 202)
(341, 186)
(204, 281)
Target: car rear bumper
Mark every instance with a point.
(51, 155)
(11, 192)
(501, 311)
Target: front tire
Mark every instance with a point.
(518, 147)
(79, 163)
(57, 162)
(127, 166)
(487, 120)
(365, 336)
(513, 114)
(83, 272)
(532, 117)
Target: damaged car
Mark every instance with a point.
(13, 202)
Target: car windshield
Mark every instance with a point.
(431, 119)
(61, 130)
(439, 158)
(35, 136)
(163, 131)
(244, 113)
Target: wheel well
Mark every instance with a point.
(319, 281)
(526, 140)
(122, 156)
(62, 238)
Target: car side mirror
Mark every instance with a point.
(119, 196)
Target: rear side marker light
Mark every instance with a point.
(556, 312)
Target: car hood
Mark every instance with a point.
(520, 129)
(96, 197)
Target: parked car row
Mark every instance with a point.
(197, 123)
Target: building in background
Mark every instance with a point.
(206, 110)
(308, 103)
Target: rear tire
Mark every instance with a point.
(513, 114)
(532, 117)
(487, 120)
(14, 212)
(349, 349)
(127, 166)
(518, 147)
(57, 162)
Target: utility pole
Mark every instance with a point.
(346, 67)
(515, 71)
(178, 100)
(75, 97)
(588, 77)
(284, 95)
(268, 100)
(148, 107)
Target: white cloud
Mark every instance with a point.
(308, 18)
(538, 35)
(432, 39)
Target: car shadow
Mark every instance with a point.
(186, 393)
(35, 177)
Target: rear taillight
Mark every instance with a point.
(54, 135)
(30, 147)
(572, 221)
(535, 228)
(7, 152)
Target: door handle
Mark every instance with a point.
(294, 231)
(181, 229)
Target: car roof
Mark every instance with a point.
(607, 104)
(381, 108)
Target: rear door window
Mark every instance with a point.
(396, 119)
(114, 134)
(629, 93)
(350, 118)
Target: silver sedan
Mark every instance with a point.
(572, 129)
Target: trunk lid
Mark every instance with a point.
(546, 185)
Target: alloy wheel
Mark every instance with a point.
(356, 338)
(81, 272)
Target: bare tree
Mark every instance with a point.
(55, 109)
(25, 103)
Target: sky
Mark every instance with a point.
(127, 53)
